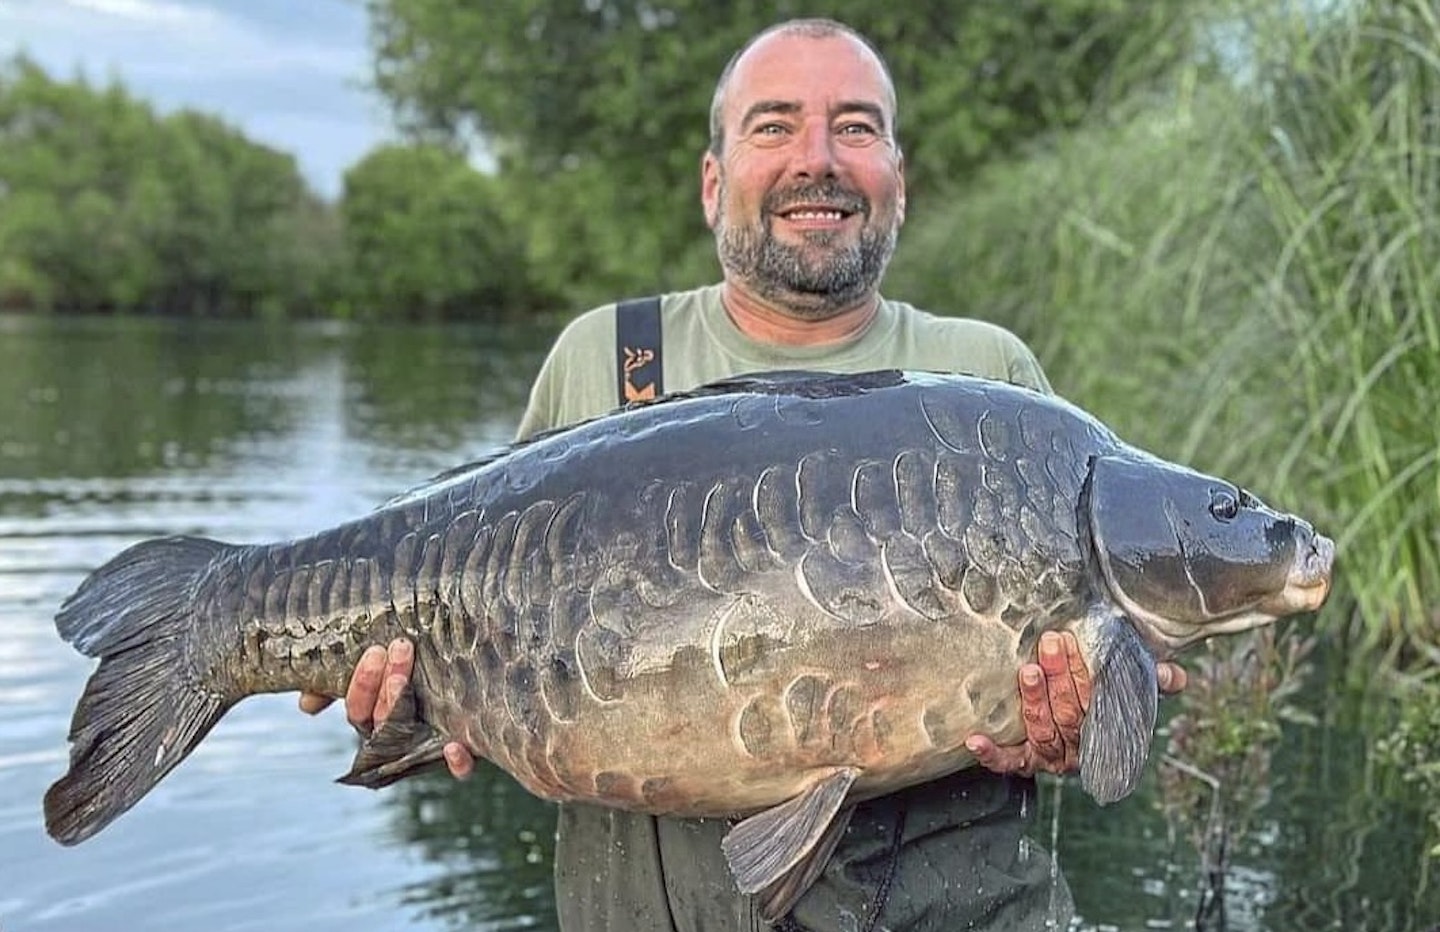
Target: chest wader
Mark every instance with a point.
(640, 377)
(637, 351)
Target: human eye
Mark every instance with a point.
(857, 131)
(770, 133)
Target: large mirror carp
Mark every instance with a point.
(764, 599)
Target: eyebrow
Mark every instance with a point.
(766, 107)
(789, 108)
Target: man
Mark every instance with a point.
(804, 188)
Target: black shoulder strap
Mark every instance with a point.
(637, 350)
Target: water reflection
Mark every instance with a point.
(112, 431)
(83, 399)
(493, 847)
(1337, 846)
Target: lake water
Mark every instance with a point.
(113, 431)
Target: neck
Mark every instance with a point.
(767, 322)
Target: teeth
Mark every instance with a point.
(817, 215)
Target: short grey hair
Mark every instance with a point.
(810, 28)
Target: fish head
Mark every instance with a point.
(1187, 556)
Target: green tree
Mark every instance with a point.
(107, 206)
(425, 237)
(230, 242)
(63, 226)
(596, 111)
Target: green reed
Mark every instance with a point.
(1240, 270)
(1352, 182)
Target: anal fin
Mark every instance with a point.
(402, 746)
(780, 852)
(781, 896)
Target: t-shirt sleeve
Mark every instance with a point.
(1024, 369)
(577, 379)
(539, 411)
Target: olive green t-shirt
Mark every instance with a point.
(701, 344)
(944, 855)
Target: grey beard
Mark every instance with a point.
(812, 288)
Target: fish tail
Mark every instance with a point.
(143, 709)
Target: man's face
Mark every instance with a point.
(807, 197)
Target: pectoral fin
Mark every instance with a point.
(1120, 723)
(778, 853)
(404, 745)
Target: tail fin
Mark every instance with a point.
(143, 710)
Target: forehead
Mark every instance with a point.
(814, 73)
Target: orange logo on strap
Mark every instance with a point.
(634, 361)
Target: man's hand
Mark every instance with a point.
(377, 682)
(1055, 695)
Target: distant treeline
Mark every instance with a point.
(595, 116)
(107, 206)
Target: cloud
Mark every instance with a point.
(287, 72)
(146, 11)
(167, 38)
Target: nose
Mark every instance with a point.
(815, 150)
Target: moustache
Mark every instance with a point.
(817, 194)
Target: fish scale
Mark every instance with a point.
(771, 597)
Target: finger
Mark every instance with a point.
(1059, 656)
(399, 662)
(314, 703)
(364, 689)
(1172, 678)
(458, 760)
(1045, 740)
(1013, 759)
(1079, 673)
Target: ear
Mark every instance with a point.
(900, 194)
(710, 187)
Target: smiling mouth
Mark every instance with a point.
(810, 213)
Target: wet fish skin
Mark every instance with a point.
(778, 595)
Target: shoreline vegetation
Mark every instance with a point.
(1217, 223)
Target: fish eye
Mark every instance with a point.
(1224, 505)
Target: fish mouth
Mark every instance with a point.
(1308, 584)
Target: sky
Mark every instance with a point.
(290, 74)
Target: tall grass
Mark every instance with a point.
(1352, 182)
(1241, 270)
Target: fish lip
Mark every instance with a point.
(1319, 563)
(1309, 583)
